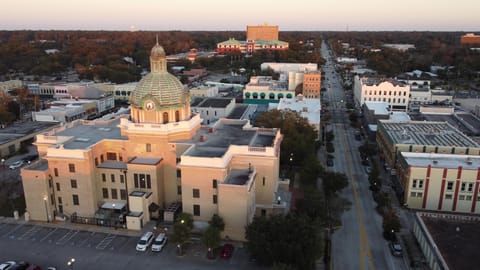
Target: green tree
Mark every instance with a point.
(217, 222)
(293, 240)
(182, 229)
(299, 135)
(391, 224)
(211, 239)
(333, 182)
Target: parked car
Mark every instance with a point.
(227, 251)
(7, 265)
(330, 162)
(16, 164)
(396, 249)
(30, 158)
(19, 266)
(159, 242)
(368, 169)
(145, 241)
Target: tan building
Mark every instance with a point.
(394, 137)
(470, 39)
(122, 171)
(440, 182)
(262, 32)
(311, 84)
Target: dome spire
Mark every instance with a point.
(158, 62)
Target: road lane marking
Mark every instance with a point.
(364, 244)
(48, 235)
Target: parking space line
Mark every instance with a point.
(30, 232)
(106, 241)
(48, 235)
(86, 239)
(69, 235)
(12, 231)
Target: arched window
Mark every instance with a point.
(165, 117)
(262, 95)
(177, 116)
(247, 95)
(271, 96)
(289, 95)
(280, 96)
(255, 95)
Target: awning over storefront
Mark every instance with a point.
(113, 205)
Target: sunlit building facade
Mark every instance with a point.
(128, 170)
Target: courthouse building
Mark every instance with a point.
(130, 169)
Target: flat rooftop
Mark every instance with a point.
(238, 111)
(214, 142)
(215, 102)
(465, 122)
(237, 177)
(145, 161)
(425, 133)
(378, 108)
(23, 128)
(456, 239)
(449, 161)
(85, 134)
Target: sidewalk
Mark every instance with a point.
(80, 227)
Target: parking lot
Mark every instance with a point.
(66, 237)
(22, 241)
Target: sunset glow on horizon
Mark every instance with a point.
(338, 15)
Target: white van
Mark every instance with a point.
(145, 241)
(159, 242)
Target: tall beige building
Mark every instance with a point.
(128, 170)
(262, 32)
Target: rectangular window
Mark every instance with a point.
(123, 194)
(263, 181)
(75, 199)
(114, 194)
(414, 183)
(214, 183)
(55, 171)
(196, 193)
(179, 190)
(101, 158)
(73, 183)
(71, 167)
(105, 193)
(461, 197)
(104, 178)
(50, 183)
(149, 182)
(111, 156)
(59, 200)
(58, 186)
(463, 186)
(196, 210)
(135, 180)
(468, 197)
(112, 177)
(413, 194)
(263, 212)
(148, 148)
(52, 199)
(122, 178)
(420, 184)
(142, 181)
(470, 187)
(215, 199)
(96, 161)
(450, 185)
(448, 196)
(179, 173)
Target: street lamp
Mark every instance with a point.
(3, 162)
(45, 198)
(71, 262)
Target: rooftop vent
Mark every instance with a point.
(469, 161)
(82, 139)
(435, 162)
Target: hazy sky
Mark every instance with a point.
(433, 15)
